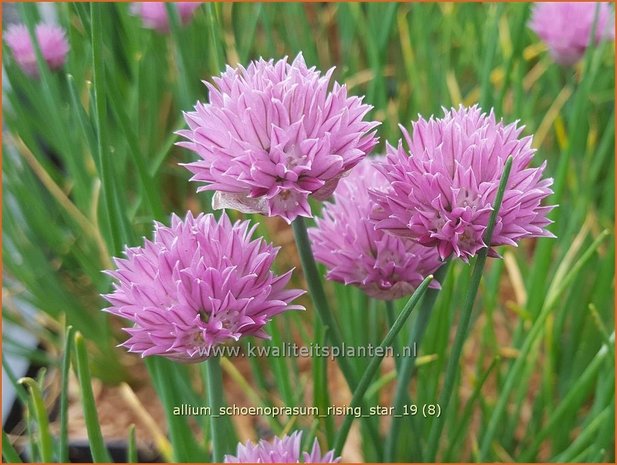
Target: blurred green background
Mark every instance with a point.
(89, 161)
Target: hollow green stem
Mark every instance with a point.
(215, 400)
(63, 446)
(572, 400)
(370, 371)
(93, 425)
(131, 453)
(40, 414)
(468, 410)
(514, 374)
(320, 301)
(318, 295)
(408, 364)
(118, 228)
(391, 316)
(489, 56)
(218, 57)
(463, 328)
(182, 74)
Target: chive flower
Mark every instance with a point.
(444, 185)
(154, 14)
(273, 135)
(566, 27)
(52, 42)
(198, 284)
(280, 450)
(345, 239)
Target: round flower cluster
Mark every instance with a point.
(154, 14)
(355, 252)
(273, 135)
(52, 42)
(197, 284)
(566, 27)
(280, 450)
(443, 188)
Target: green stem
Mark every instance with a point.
(63, 446)
(215, 36)
(463, 328)
(182, 74)
(468, 410)
(148, 182)
(40, 414)
(370, 371)
(93, 425)
(577, 134)
(391, 316)
(167, 379)
(587, 435)
(390, 313)
(131, 453)
(8, 451)
(116, 218)
(571, 401)
(318, 295)
(514, 375)
(515, 56)
(320, 302)
(215, 400)
(321, 397)
(408, 364)
(489, 56)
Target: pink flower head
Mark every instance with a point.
(566, 27)
(281, 450)
(154, 14)
(273, 135)
(346, 241)
(197, 284)
(52, 42)
(443, 190)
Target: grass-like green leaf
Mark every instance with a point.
(45, 442)
(371, 370)
(63, 435)
(9, 453)
(95, 437)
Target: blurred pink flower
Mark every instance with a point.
(154, 14)
(52, 42)
(273, 135)
(566, 27)
(197, 284)
(354, 252)
(443, 189)
(280, 450)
